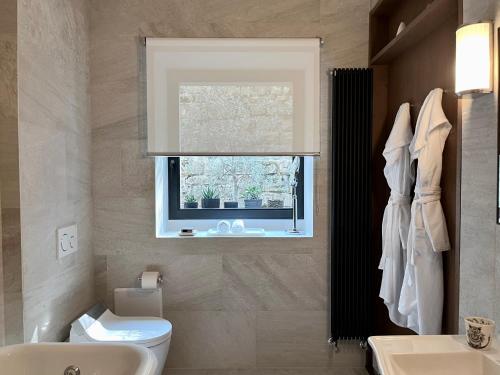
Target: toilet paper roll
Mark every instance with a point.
(149, 280)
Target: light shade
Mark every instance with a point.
(233, 96)
(474, 62)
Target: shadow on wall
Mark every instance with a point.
(11, 315)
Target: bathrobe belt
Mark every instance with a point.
(398, 200)
(423, 195)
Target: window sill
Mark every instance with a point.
(267, 234)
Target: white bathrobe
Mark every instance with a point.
(422, 293)
(400, 176)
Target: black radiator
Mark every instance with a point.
(351, 204)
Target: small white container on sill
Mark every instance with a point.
(238, 226)
(223, 227)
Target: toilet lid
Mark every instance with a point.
(148, 331)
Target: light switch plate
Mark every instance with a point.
(67, 241)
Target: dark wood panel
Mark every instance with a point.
(379, 35)
(426, 64)
(383, 7)
(411, 77)
(405, 10)
(388, 17)
(432, 17)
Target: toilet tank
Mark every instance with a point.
(139, 302)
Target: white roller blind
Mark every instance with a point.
(233, 96)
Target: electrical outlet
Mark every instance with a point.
(67, 241)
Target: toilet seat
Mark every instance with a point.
(99, 324)
(108, 327)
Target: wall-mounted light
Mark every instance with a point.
(474, 58)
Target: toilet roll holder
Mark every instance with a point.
(159, 280)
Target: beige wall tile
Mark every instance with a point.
(215, 288)
(205, 18)
(191, 282)
(8, 76)
(286, 282)
(299, 339)
(8, 17)
(212, 339)
(11, 257)
(239, 277)
(344, 27)
(121, 100)
(54, 157)
(240, 282)
(100, 274)
(56, 302)
(290, 283)
(479, 236)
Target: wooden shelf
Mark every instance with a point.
(435, 14)
(383, 7)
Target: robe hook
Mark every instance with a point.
(445, 91)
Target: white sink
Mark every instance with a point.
(91, 359)
(432, 355)
(460, 363)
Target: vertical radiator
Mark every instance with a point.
(351, 204)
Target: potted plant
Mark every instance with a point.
(190, 201)
(231, 204)
(252, 197)
(275, 203)
(210, 198)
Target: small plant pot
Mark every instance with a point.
(190, 204)
(275, 203)
(230, 204)
(210, 203)
(253, 203)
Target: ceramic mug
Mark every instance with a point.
(479, 332)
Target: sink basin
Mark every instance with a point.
(459, 363)
(432, 355)
(91, 359)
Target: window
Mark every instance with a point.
(235, 187)
(181, 181)
(217, 109)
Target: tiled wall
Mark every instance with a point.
(54, 153)
(10, 252)
(234, 303)
(2, 313)
(480, 235)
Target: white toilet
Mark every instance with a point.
(101, 325)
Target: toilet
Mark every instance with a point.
(99, 324)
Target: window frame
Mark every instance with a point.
(175, 212)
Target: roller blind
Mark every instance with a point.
(233, 96)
